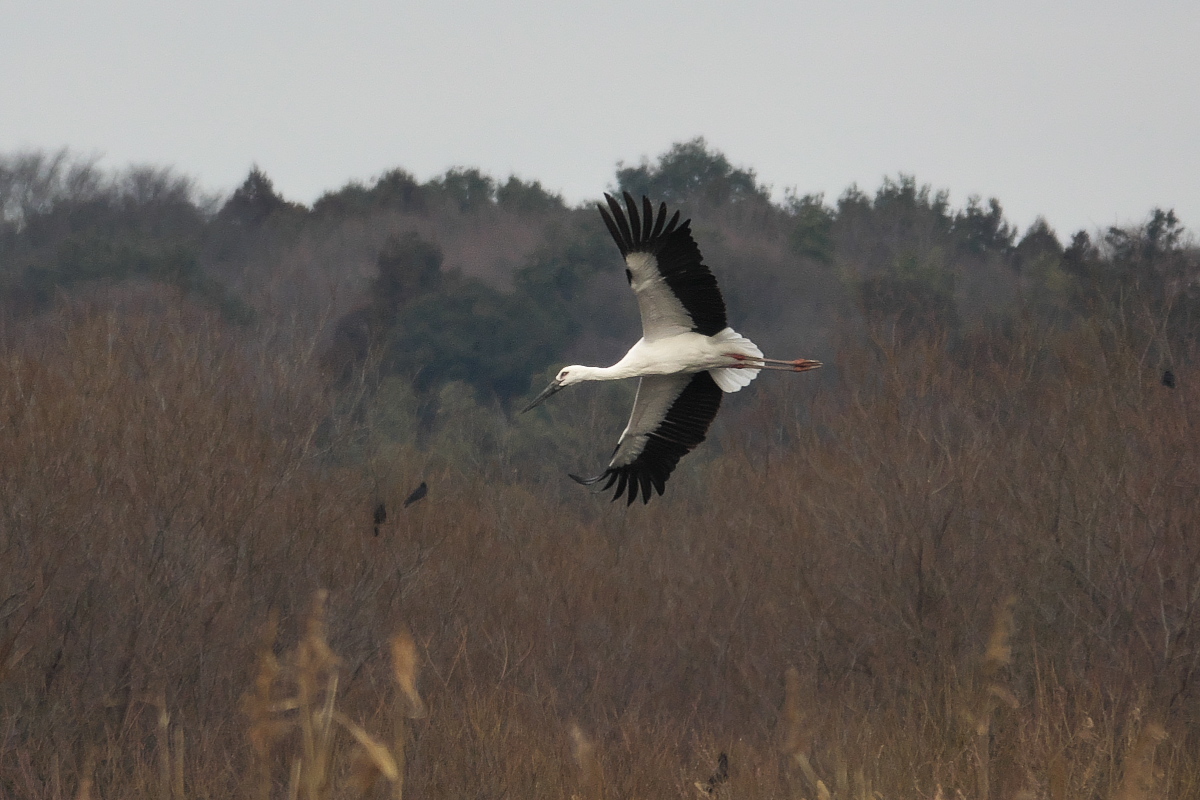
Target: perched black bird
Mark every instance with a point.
(717, 778)
(417, 494)
(1168, 379)
(380, 516)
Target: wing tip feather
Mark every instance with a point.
(633, 229)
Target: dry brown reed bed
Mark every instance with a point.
(954, 569)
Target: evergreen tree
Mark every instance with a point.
(690, 172)
(254, 202)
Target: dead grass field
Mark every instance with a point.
(948, 568)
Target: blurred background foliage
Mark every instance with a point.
(468, 283)
(205, 398)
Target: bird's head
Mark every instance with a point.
(565, 377)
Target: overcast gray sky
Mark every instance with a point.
(1086, 113)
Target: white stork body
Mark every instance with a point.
(687, 356)
(682, 354)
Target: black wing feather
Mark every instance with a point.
(683, 427)
(622, 478)
(622, 233)
(662, 220)
(677, 255)
(614, 230)
(635, 224)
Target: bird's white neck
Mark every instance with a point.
(580, 373)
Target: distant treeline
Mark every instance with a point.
(466, 278)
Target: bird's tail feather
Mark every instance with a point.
(734, 379)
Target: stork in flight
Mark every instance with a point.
(686, 358)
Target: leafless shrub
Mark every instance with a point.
(167, 483)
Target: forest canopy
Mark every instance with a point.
(488, 282)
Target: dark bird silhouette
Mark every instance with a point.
(417, 494)
(380, 516)
(718, 778)
(1168, 379)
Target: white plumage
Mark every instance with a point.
(687, 356)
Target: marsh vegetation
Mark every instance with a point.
(962, 558)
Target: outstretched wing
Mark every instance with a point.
(671, 415)
(676, 292)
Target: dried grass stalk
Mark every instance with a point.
(404, 666)
(316, 664)
(1138, 782)
(794, 738)
(993, 692)
(87, 779)
(163, 745)
(177, 787)
(375, 751)
(591, 777)
(260, 707)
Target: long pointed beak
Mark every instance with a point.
(804, 364)
(553, 388)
